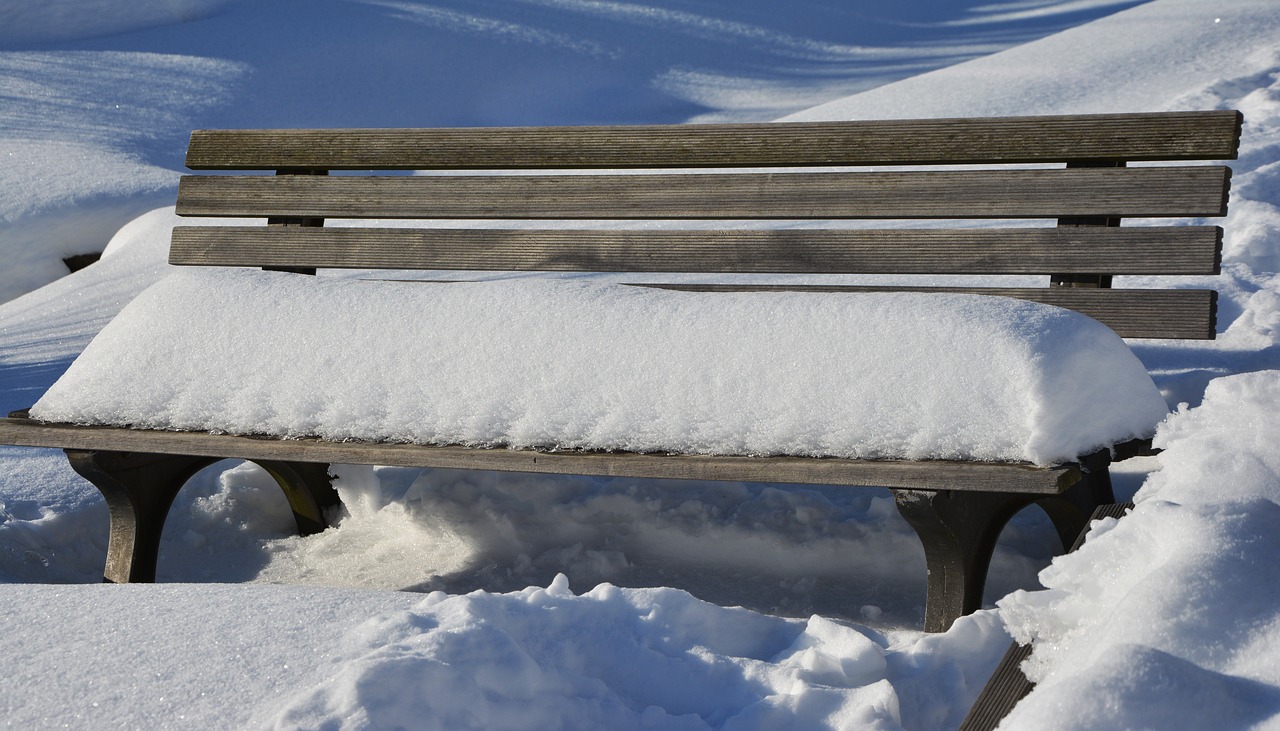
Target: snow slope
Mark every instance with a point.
(1205, 523)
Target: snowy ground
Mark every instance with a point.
(1168, 619)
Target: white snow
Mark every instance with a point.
(69, 128)
(1165, 619)
(567, 364)
(538, 658)
(1141, 606)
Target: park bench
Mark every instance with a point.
(1072, 172)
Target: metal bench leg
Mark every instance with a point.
(139, 489)
(309, 489)
(959, 532)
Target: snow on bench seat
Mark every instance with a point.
(572, 364)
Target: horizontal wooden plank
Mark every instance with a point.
(928, 475)
(1111, 192)
(1085, 249)
(1212, 135)
(1133, 313)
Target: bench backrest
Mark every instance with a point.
(1072, 171)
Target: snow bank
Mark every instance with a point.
(571, 364)
(612, 658)
(1134, 620)
(293, 657)
(1145, 58)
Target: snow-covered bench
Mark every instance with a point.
(968, 407)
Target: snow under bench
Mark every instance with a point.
(969, 402)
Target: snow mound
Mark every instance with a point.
(1140, 605)
(574, 364)
(611, 658)
(541, 658)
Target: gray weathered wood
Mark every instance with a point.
(1142, 250)
(1212, 135)
(981, 476)
(1132, 313)
(1113, 192)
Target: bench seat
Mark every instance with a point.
(573, 364)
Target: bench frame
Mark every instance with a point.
(957, 508)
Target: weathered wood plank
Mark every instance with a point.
(929, 475)
(1112, 192)
(1133, 313)
(1141, 250)
(1212, 135)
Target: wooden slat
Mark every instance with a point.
(1133, 313)
(1212, 135)
(1142, 250)
(1111, 192)
(928, 475)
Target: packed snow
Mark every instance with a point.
(1165, 619)
(570, 364)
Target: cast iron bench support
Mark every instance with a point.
(140, 488)
(959, 531)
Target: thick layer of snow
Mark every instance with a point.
(578, 365)
(298, 658)
(1135, 619)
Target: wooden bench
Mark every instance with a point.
(1071, 170)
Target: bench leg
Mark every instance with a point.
(1072, 510)
(309, 489)
(959, 532)
(140, 488)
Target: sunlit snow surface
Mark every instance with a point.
(1170, 622)
(573, 364)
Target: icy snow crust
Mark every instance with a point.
(583, 365)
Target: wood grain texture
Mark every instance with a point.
(1113, 192)
(1143, 250)
(1132, 313)
(1212, 135)
(928, 475)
